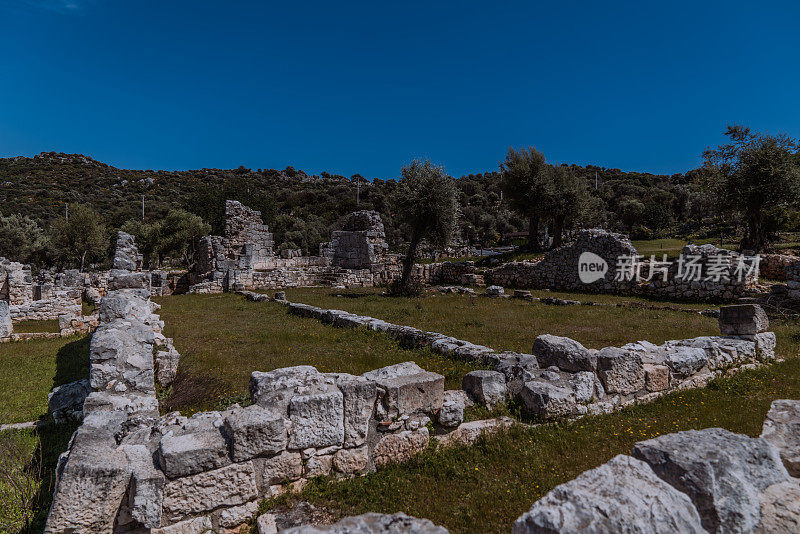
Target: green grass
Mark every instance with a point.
(513, 324)
(31, 327)
(224, 338)
(32, 368)
(484, 488)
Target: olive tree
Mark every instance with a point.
(426, 205)
(753, 173)
(525, 184)
(81, 238)
(21, 238)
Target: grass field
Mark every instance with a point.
(224, 338)
(30, 369)
(30, 327)
(513, 324)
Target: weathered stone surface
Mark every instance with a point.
(186, 453)
(125, 304)
(468, 433)
(743, 320)
(198, 525)
(90, 490)
(620, 370)
(317, 418)
(685, 361)
(146, 492)
(409, 389)
(452, 412)
(266, 524)
(126, 255)
(563, 352)
(254, 431)
(487, 387)
(545, 399)
(318, 465)
(656, 377)
(351, 461)
(228, 486)
(765, 345)
(372, 523)
(401, 446)
(6, 327)
(237, 515)
(623, 495)
(780, 508)
(68, 398)
(721, 472)
(279, 469)
(359, 395)
(494, 291)
(274, 389)
(782, 429)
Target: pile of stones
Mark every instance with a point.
(700, 481)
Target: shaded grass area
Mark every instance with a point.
(31, 327)
(484, 488)
(30, 369)
(513, 324)
(224, 338)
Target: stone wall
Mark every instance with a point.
(562, 378)
(244, 228)
(559, 270)
(709, 480)
(360, 245)
(776, 266)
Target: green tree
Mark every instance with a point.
(425, 203)
(566, 194)
(525, 184)
(21, 239)
(755, 172)
(81, 238)
(180, 234)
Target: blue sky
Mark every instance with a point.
(366, 86)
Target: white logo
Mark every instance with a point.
(591, 267)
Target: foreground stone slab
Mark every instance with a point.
(782, 429)
(623, 495)
(372, 524)
(721, 472)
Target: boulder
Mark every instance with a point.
(782, 429)
(563, 352)
(622, 495)
(743, 320)
(545, 399)
(621, 371)
(721, 472)
(254, 431)
(372, 523)
(487, 387)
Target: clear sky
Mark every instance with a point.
(366, 86)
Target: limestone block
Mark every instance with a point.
(317, 418)
(318, 465)
(546, 399)
(198, 525)
(782, 429)
(274, 389)
(743, 319)
(621, 371)
(563, 352)
(254, 431)
(372, 523)
(683, 362)
(232, 485)
(623, 495)
(452, 412)
(468, 433)
(237, 515)
(780, 508)
(266, 524)
(721, 472)
(183, 454)
(359, 396)
(656, 377)
(146, 492)
(400, 447)
(68, 397)
(279, 469)
(765, 345)
(6, 327)
(351, 461)
(409, 389)
(487, 387)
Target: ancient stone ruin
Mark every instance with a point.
(244, 257)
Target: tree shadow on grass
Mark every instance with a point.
(72, 362)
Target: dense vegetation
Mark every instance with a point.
(302, 209)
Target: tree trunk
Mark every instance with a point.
(558, 229)
(408, 263)
(83, 260)
(533, 233)
(755, 239)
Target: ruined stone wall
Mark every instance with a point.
(244, 228)
(776, 266)
(709, 480)
(360, 245)
(559, 270)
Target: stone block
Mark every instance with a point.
(372, 523)
(721, 472)
(317, 418)
(146, 492)
(544, 399)
(279, 469)
(186, 453)
(204, 492)
(274, 389)
(487, 387)
(254, 431)
(743, 319)
(359, 396)
(563, 352)
(656, 377)
(623, 495)
(683, 362)
(621, 371)
(782, 429)
(400, 447)
(351, 461)
(451, 413)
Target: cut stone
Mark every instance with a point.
(254, 431)
(563, 352)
